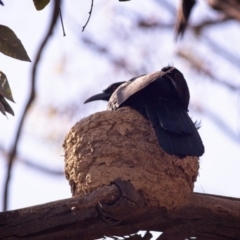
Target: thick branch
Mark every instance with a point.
(203, 216)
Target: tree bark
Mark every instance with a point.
(119, 209)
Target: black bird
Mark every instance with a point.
(161, 97)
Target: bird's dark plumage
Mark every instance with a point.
(163, 98)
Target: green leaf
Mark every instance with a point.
(5, 89)
(11, 46)
(2, 110)
(4, 106)
(6, 92)
(40, 4)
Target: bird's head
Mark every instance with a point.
(179, 83)
(167, 68)
(106, 94)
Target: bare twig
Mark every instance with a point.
(168, 6)
(32, 164)
(148, 24)
(30, 101)
(207, 23)
(119, 62)
(223, 126)
(200, 67)
(41, 168)
(229, 7)
(60, 13)
(222, 52)
(90, 14)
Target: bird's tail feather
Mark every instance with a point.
(175, 131)
(173, 118)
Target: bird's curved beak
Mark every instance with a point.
(101, 96)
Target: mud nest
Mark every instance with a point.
(122, 144)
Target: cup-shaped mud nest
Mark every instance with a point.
(122, 144)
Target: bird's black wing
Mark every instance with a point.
(131, 87)
(174, 129)
(173, 118)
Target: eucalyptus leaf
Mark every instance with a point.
(10, 45)
(40, 4)
(6, 106)
(2, 110)
(5, 89)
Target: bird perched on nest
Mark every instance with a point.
(161, 97)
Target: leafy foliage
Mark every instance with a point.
(40, 4)
(5, 92)
(10, 45)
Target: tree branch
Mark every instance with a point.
(30, 101)
(223, 126)
(119, 62)
(209, 22)
(224, 53)
(203, 216)
(199, 66)
(89, 16)
(33, 165)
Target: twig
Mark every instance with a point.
(118, 62)
(146, 24)
(168, 6)
(223, 126)
(41, 168)
(30, 101)
(90, 14)
(198, 65)
(103, 50)
(221, 51)
(60, 13)
(230, 8)
(32, 164)
(207, 23)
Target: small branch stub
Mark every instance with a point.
(122, 144)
